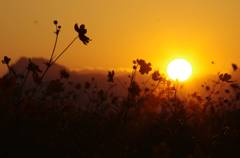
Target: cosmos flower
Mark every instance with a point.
(110, 76)
(81, 30)
(145, 68)
(234, 67)
(6, 60)
(34, 68)
(156, 76)
(225, 77)
(58, 27)
(64, 74)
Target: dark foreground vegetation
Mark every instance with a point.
(40, 118)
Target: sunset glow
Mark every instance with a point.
(114, 79)
(123, 30)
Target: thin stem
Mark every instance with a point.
(51, 58)
(176, 85)
(132, 79)
(146, 82)
(45, 72)
(54, 47)
(54, 61)
(68, 46)
(133, 75)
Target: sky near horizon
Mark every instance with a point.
(156, 30)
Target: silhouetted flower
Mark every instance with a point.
(225, 77)
(64, 74)
(6, 60)
(81, 33)
(34, 68)
(144, 67)
(58, 27)
(156, 76)
(110, 76)
(234, 67)
(134, 89)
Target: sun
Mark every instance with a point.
(179, 69)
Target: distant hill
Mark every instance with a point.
(81, 76)
(53, 73)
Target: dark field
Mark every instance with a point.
(110, 116)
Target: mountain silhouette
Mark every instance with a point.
(80, 77)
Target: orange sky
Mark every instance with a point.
(156, 30)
